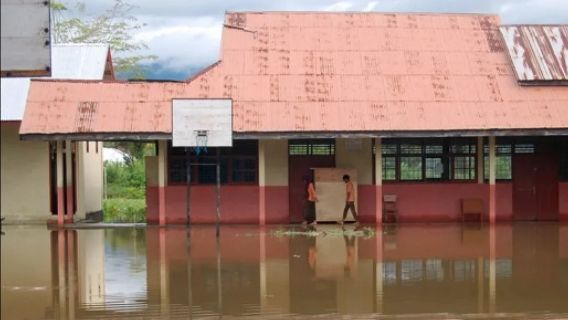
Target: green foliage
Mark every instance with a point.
(124, 210)
(126, 191)
(126, 180)
(116, 26)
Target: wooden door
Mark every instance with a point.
(524, 187)
(299, 166)
(547, 186)
(535, 187)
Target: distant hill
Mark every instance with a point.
(155, 71)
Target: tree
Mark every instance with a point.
(115, 26)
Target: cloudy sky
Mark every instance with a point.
(185, 34)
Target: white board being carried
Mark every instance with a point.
(25, 39)
(202, 122)
(331, 193)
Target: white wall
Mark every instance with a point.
(90, 165)
(275, 160)
(356, 154)
(25, 177)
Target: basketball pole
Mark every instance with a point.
(218, 174)
(188, 191)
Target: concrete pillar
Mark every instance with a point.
(378, 181)
(379, 270)
(480, 158)
(80, 180)
(263, 275)
(69, 181)
(61, 260)
(262, 182)
(480, 281)
(164, 275)
(60, 185)
(492, 268)
(492, 178)
(162, 172)
(71, 273)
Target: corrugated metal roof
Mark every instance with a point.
(328, 72)
(84, 61)
(538, 53)
(69, 61)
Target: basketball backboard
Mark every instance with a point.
(202, 122)
(25, 38)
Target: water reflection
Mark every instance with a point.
(418, 270)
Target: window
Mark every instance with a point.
(389, 168)
(429, 159)
(463, 155)
(320, 147)
(238, 165)
(503, 158)
(434, 162)
(434, 168)
(411, 161)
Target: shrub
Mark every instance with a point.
(126, 181)
(120, 210)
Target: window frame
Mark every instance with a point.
(514, 146)
(226, 154)
(445, 155)
(310, 145)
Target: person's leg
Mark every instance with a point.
(306, 212)
(312, 217)
(345, 211)
(353, 211)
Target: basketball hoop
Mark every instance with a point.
(198, 124)
(200, 141)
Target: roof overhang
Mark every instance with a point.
(151, 136)
(98, 136)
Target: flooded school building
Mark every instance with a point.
(28, 178)
(436, 115)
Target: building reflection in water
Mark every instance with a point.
(413, 269)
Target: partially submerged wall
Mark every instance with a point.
(25, 177)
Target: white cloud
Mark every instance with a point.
(187, 34)
(182, 43)
(339, 6)
(370, 6)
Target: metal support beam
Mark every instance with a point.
(188, 179)
(218, 202)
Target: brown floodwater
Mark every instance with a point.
(407, 271)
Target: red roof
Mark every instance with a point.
(326, 72)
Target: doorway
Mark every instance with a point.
(303, 155)
(535, 186)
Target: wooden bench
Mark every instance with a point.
(472, 207)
